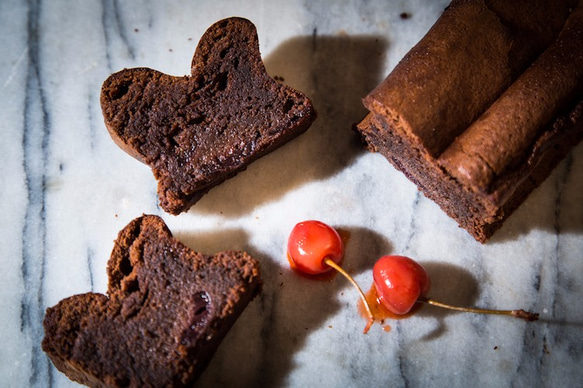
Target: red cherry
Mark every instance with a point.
(315, 248)
(400, 282)
(312, 242)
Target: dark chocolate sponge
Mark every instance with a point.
(196, 131)
(166, 312)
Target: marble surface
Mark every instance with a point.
(66, 190)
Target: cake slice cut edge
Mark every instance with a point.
(166, 311)
(196, 131)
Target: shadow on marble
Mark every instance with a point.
(209, 243)
(261, 348)
(556, 206)
(363, 247)
(450, 284)
(276, 326)
(244, 340)
(336, 72)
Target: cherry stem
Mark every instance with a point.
(522, 314)
(332, 264)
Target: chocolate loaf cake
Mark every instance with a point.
(198, 130)
(483, 108)
(166, 311)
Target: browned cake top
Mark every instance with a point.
(502, 139)
(488, 90)
(468, 58)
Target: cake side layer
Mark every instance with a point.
(460, 67)
(476, 215)
(481, 214)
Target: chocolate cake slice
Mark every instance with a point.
(166, 311)
(196, 131)
(483, 108)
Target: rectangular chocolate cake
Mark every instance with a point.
(484, 107)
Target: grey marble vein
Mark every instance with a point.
(37, 128)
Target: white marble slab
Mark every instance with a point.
(66, 190)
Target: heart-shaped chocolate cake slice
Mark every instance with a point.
(196, 131)
(166, 311)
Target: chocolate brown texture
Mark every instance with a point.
(483, 108)
(196, 131)
(166, 311)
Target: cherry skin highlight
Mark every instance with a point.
(312, 242)
(400, 283)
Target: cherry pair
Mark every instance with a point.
(400, 282)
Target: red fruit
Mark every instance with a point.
(314, 248)
(310, 243)
(400, 282)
